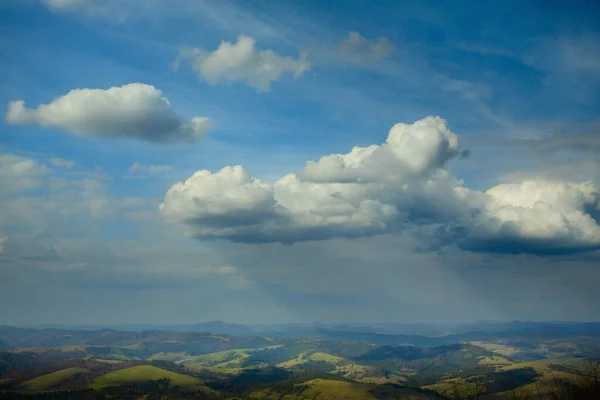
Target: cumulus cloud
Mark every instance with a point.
(537, 216)
(368, 191)
(401, 185)
(134, 111)
(242, 62)
(409, 150)
(153, 169)
(360, 50)
(226, 203)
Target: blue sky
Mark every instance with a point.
(490, 213)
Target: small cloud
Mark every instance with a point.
(60, 163)
(466, 89)
(2, 241)
(112, 10)
(227, 270)
(133, 111)
(360, 50)
(242, 62)
(153, 169)
(77, 265)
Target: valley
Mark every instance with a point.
(332, 364)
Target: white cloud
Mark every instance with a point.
(153, 169)
(108, 9)
(65, 4)
(369, 191)
(242, 62)
(18, 173)
(360, 50)
(398, 186)
(409, 149)
(221, 203)
(539, 216)
(36, 199)
(60, 163)
(135, 111)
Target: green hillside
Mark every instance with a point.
(144, 373)
(326, 389)
(48, 381)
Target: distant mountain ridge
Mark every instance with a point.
(289, 329)
(217, 327)
(14, 337)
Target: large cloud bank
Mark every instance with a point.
(400, 185)
(135, 111)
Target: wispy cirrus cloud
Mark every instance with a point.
(110, 10)
(151, 168)
(142, 171)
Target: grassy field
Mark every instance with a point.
(542, 382)
(322, 389)
(226, 359)
(213, 359)
(357, 372)
(339, 366)
(227, 371)
(47, 381)
(547, 380)
(174, 357)
(497, 348)
(301, 359)
(143, 373)
(539, 366)
(494, 360)
(317, 356)
(446, 387)
(108, 361)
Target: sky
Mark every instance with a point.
(282, 161)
